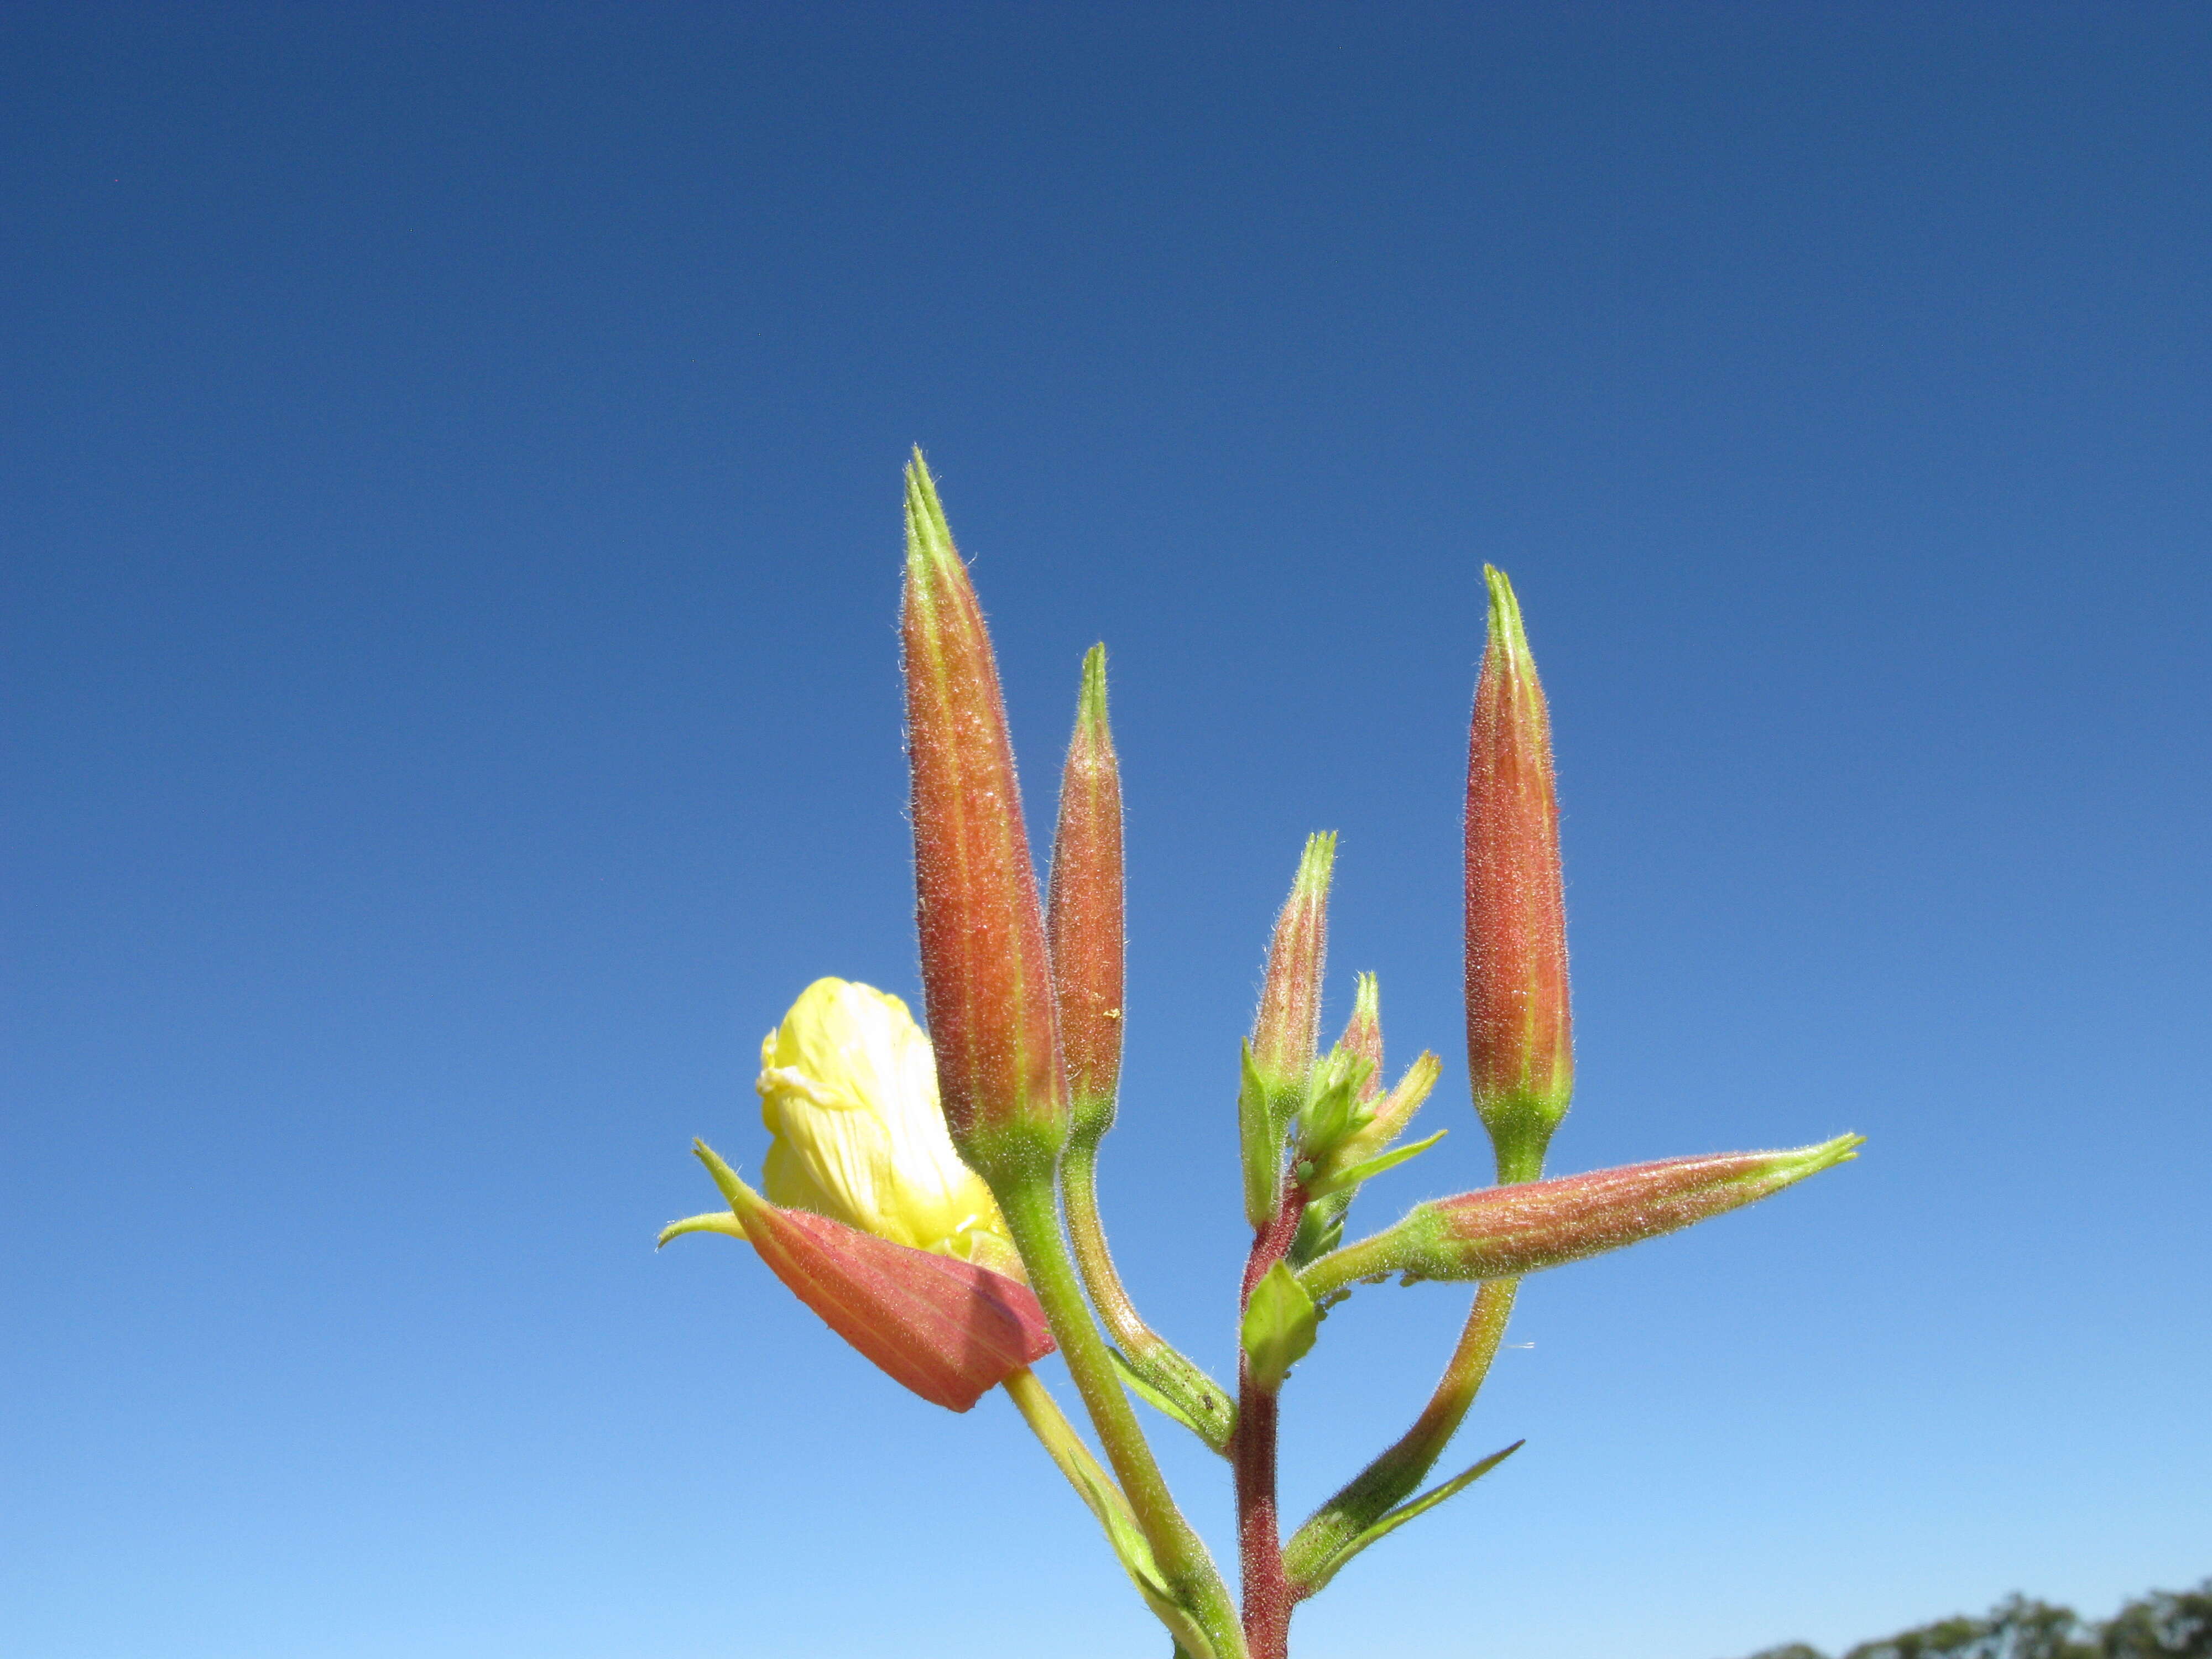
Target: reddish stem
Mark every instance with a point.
(1267, 1596)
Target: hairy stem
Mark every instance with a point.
(1150, 1354)
(1033, 1220)
(1079, 1184)
(1331, 1276)
(1057, 1436)
(1268, 1595)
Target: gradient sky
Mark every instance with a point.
(452, 538)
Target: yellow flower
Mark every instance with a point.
(848, 1091)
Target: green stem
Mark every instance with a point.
(1375, 1256)
(1057, 1436)
(1033, 1218)
(1150, 1354)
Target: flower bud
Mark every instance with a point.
(1084, 920)
(1287, 1031)
(1363, 1032)
(1520, 1047)
(1508, 1231)
(1278, 1058)
(947, 1329)
(986, 976)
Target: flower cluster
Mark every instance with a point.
(932, 1197)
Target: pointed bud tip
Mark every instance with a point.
(1844, 1149)
(1366, 996)
(1505, 610)
(1091, 723)
(1315, 865)
(1508, 637)
(928, 537)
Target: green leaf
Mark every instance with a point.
(1405, 1512)
(1338, 1180)
(1164, 1402)
(1280, 1326)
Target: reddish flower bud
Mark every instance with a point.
(1287, 1031)
(1363, 1032)
(1083, 909)
(947, 1329)
(1520, 1047)
(986, 979)
(1507, 1231)
(1278, 1059)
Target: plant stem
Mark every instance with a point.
(1267, 1597)
(1397, 1473)
(1033, 1218)
(1331, 1276)
(1057, 1436)
(1150, 1354)
(1079, 1185)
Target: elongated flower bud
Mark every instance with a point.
(1507, 1231)
(1519, 1046)
(1363, 1032)
(986, 977)
(1083, 909)
(947, 1329)
(1280, 1057)
(1287, 1031)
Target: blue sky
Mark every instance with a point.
(451, 556)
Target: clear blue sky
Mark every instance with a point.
(452, 536)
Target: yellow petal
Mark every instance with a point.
(848, 1091)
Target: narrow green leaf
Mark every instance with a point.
(1112, 1509)
(1405, 1512)
(1338, 1180)
(1160, 1399)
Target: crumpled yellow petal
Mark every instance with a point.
(848, 1093)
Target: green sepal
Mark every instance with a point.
(1321, 1230)
(1278, 1327)
(1260, 1137)
(715, 1221)
(1162, 1390)
(740, 1196)
(1333, 1111)
(1338, 1180)
(1308, 1584)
